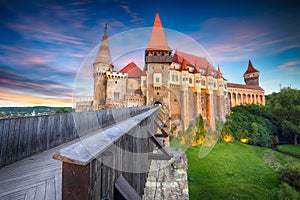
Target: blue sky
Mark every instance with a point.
(43, 43)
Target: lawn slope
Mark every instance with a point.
(230, 171)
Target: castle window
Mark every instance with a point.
(116, 82)
(116, 95)
(157, 80)
(144, 82)
(153, 67)
(162, 67)
(157, 93)
(191, 81)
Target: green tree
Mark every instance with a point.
(285, 108)
(61, 110)
(252, 122)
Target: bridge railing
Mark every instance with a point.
(112, 162)
(25, 136)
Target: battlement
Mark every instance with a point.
(116, 75)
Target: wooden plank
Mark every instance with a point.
(50, 189)
(10, 142)
(56, 130)
(21, 141)
(14, 196)
(123, 190)
(34, 139)
(58, 185)
(75, 181)
(4, 140)
(41, 136)
(16, 140)
(40, 191)
(26, 137)
(30, 194)
(50, 132)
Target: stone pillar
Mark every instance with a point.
(210, 110)
(198, 102)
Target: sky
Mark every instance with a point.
(43, 43)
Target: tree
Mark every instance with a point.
(251, 122)
(285, 109)
(61, 110)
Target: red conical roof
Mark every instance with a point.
(250, 69)
(219, 74)
(208, 71)
(158, 39)
(103, 55)
(183, 66)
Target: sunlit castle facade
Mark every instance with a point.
(184, 85)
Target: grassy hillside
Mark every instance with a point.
(294, 149)
(232, 171)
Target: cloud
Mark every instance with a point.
(134, 16)
(291, 66)
(225, 38)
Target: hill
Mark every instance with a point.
(235, 171)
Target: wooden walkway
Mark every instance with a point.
(34, 178)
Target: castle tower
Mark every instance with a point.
(251, 76)
(101, 65)
(157, 59)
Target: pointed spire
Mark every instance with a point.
(250, 69)
(219, 75)
(158, 39)
(103, 55)
(183, 66)
(208, 71)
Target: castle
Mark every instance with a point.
(184, 85)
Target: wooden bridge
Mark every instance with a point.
(103, 154)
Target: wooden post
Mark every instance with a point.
(75, 181)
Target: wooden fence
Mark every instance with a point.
(111, 163)
(23, 137)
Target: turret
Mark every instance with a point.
(158, 50)
(101, 66)
(251, 76)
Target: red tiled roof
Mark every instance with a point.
(250, 69)
(235, 85)
(158, 39)
(192, 60)
(144, 72)
(183, 66)
(132, 70)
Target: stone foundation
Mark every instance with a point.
(167, 179)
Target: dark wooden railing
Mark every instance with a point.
(23, 137)
(112, 162)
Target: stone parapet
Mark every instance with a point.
(167, 179)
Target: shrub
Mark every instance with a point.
(291, 177)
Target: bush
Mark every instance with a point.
(291, 177)
(284, 192)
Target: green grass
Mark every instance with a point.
(294, 149)
(231, 171)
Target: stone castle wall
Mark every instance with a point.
(170, 182)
